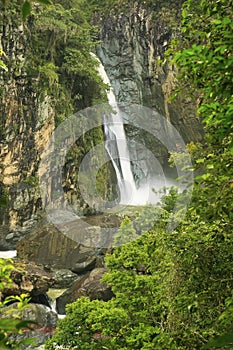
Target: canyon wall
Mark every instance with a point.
(37, 92)
(132, 48)
(132, 44)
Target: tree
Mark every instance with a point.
(174, 290)
(205, 63)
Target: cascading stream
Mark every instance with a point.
(116, 146)
(117, 149)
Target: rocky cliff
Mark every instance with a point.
(37, 92)
(132, 43)
(27, 122)
(132, 48)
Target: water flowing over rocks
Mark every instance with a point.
(131, 45)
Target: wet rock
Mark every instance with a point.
(63, 278)
(45, 319)
(28, 278)
(74, 246)
(90, 285)
(41, 314)
(47, 245)
(86, 265)
(132, 44)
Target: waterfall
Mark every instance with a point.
(116, 146)
(52, 295)
(147, 191)
(8, 254)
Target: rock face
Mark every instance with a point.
(28, 111)
(45, 319)
(29, 278)
(132, 43)
(26, 124)
(90, 285)
(57, 250)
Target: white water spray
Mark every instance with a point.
(116, 146)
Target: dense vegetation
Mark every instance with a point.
(174, 290)
(10, 322)
(57, 43)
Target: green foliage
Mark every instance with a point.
(6, 266)
(2, 64)
(10, 322)
(172, 289)
(204, 59)
(126, 233)
(223, 341)
(27, 7)
(4, 196)
(61, 40)
(32, 181)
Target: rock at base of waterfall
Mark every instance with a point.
(41, 314)
(63, 278)
(28, 278)
(86, 265)
(90, 285)
(59, 249)
(45, 319)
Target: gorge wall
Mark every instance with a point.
(132, 48)
(131, 45)
(37, 92)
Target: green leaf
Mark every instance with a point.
(210, 166)
(25, 324)
(184, 13)
(221, 341)
(200, 160)
(3, 66)
(29, 341)
(26, 9)
(11, 324)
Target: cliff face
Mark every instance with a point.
(27, 121)
(37, 92)
(132, 43)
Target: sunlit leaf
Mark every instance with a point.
(26, 9)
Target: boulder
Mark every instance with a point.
(83, 266)
(28, 278)
(74, 246)
(41, 314)
(47, 245)
(90, 285)
(44, 317)
(63, 278)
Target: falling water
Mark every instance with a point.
(8, 254)
(117, 149)
(116, 146)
